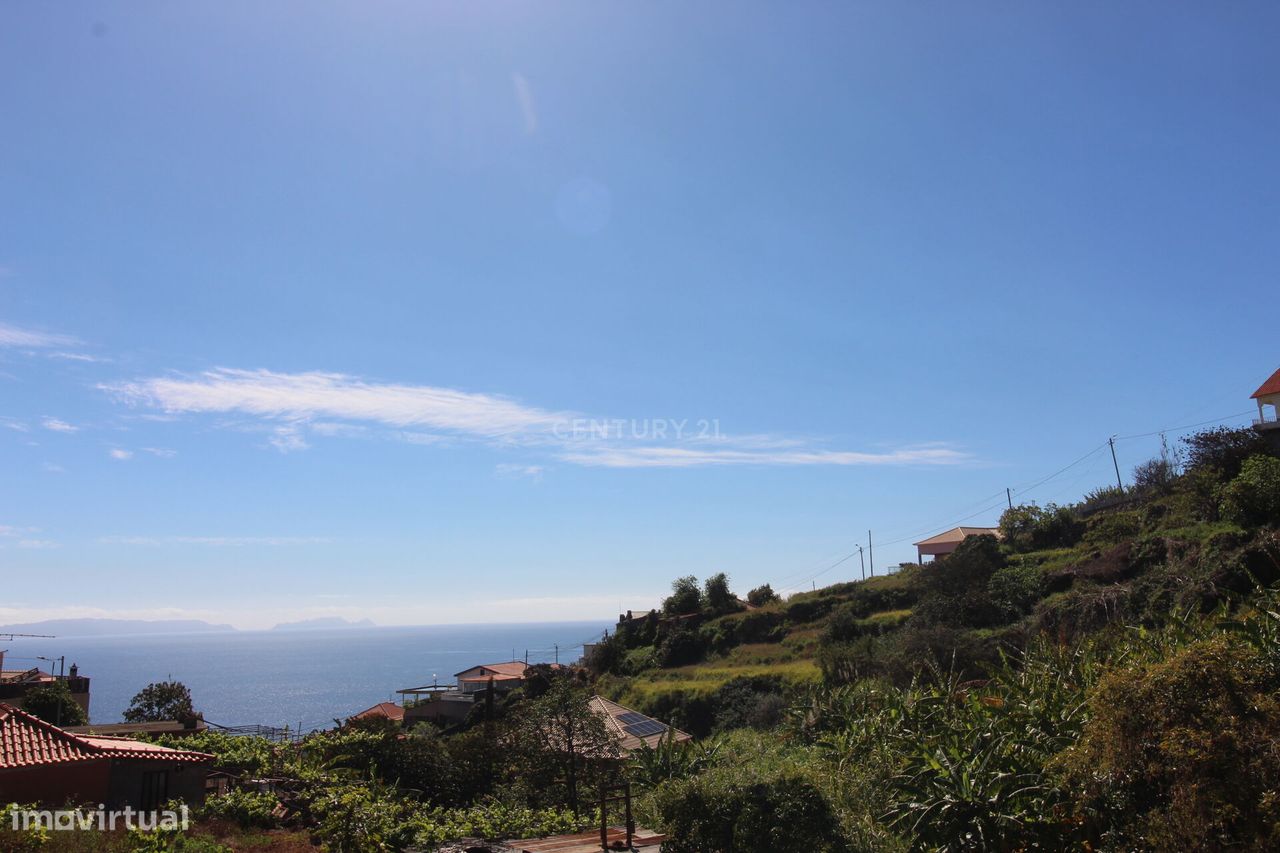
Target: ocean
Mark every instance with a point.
(307, 678)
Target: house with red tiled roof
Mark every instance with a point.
(382, 711)
(453, 703)
(42, 763)
(505, 676)
(1268, 394)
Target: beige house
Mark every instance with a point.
(945, 543)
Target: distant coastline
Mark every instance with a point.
(115, 627)
(103, 627)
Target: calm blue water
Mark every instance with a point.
(277, 678)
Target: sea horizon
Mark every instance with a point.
(304, 678)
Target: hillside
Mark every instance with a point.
(1101, 676)
(1175, 542)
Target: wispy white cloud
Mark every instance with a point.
(119, 453)
(162, 452)
(301, 397)
(516, 470)
(14, 424)
(287, 439)
(14, 336)
(10, 531)
(528, 107)
(215, 541)
(58, 425)
(684, 457)
(292, 406)
(54, 468)
(37, 544)
(78, 356)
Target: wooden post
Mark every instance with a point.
(631, 824)
(604, 818)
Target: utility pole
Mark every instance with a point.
(557, 654)
(863, 560)
(872, 554)
(1009, 495)
(1112, 441)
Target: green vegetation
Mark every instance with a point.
(163, 700)
(54, 703)
(1104, 676)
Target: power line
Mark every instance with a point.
(1187, 426)
(1006, 495)
(838, 562)
(1037, 484)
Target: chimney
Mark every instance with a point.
(2, 651)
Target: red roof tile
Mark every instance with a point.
(389, 710)
(1271, 386)
(27, 741)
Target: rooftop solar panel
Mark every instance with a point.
(632, 718)
(645, 729)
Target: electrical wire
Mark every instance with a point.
(1187, 426)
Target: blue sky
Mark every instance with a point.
(375, 309)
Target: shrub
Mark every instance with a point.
(762, 595)
(851, 661)
(606, 655)
(1155, 476)
(801, 610)
(1100, 498)
(1181, 753)
(1016, 588)
(1253, 497)
(754, 626)
(748, 703)
(681, 646)
(245, 808)
(638, 660)
(953, 590)
(716, 812)
(1112, 527)
(1224, 450)
(1031, 528)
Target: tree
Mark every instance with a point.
(160, 701)
(717, 596)
(561, 744)
(762, 595)
(54, 703)
(685, 597)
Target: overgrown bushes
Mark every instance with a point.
(720, 812)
